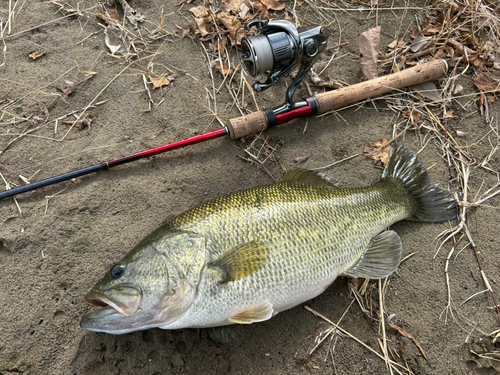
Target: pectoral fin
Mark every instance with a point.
(239, 262)
(253, 315)
(380, 259)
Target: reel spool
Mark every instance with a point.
(278, 48)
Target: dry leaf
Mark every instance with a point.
(301, 159)
(113, 13)
(415, 32)
(412, 114)
(112, 48)
(486, 83)
(431, 30)
(369, 45)
(258, 6)
(458, 89)
(199, 11)
(395, 43)
(219, 47)
(232, 6)
(378, 150)
(159, 82)
(449, 114)
(244, 13)
(35, 55)
(273, 5)
(203, 27)
(111, 17)
(418, 43)
(231, 23)
(222, 68)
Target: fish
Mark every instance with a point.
(245, 257)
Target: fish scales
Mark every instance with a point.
(247, 256)
(314, 233)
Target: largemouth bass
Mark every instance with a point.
(245, 257)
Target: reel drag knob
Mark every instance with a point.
(311, 48)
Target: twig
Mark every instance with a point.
(391, 362)
(337, 162)
(95, 98)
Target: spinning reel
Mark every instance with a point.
(276, 50)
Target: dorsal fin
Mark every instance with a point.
(380, 259)
(255, 314)
(307, 177)
(243, 260)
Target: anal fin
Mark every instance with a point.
(253, 315)
(222, 335)
(381, 258)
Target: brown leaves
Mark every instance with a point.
(369, 46)
(378, 151)
(232, 24)
(486, 83)
(222, 67)
(159, 82)
(111, 17)
(412, 114)
(35, 55)
(272, 5)
(230, 16)
(200, 11)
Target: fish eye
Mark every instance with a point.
(117, 271)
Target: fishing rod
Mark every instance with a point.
(266, 57)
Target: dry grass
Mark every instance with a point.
(465, 32)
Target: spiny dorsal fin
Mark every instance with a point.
(380, 259)
(307, 177)
(241, 261)
(253, 315)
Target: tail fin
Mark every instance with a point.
(430, 202)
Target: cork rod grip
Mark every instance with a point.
(245, 125)
(429, 71)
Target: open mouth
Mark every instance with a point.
(97, 302)
(125, 300)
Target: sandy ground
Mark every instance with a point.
(70, 234)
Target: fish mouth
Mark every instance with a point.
(123, 299)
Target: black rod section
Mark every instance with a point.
(51, 180)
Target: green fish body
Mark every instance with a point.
(245, 257)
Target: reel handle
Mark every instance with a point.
(330, 100)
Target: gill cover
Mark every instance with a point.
(151, 286)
